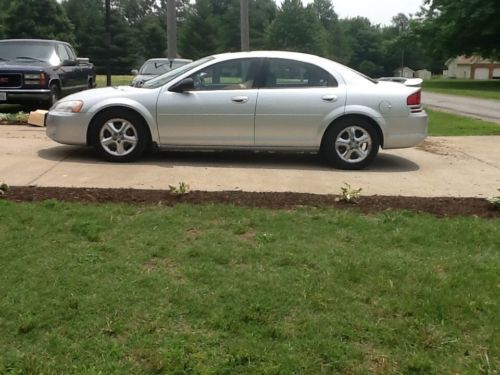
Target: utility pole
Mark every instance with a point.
(171, 29)
(108, 42)
(244, 26)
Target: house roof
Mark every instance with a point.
(470, 60)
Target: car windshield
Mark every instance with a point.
(169, 76)
(27, 51)
(159, 67)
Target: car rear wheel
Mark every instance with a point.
(119, 136)
(351, 143)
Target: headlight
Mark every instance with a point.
(69, 106)
(35, 79)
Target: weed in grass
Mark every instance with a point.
(349, 194)
(182, 189)
(4, 188)
(495, 201)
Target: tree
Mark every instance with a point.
(40, 19)
(462, 26)
(88, 20)
(296, 28)
(365, 42)
(197, 33)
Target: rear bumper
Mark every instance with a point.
(15, 96)
(405, 132)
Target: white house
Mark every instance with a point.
(404, 72)
(471, 67)
(423, 74)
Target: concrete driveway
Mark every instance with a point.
(442, 166)
(488, 110)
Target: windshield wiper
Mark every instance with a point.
(1, 58)
(28, 58)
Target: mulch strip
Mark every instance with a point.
(440, 207)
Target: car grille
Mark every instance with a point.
(10, 80)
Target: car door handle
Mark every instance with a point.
(240, 99)
(329, 98)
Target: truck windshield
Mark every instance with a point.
(26, 50)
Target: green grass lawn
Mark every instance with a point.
(478, 89)
(447, 124)
(115, 80)
(214, 289)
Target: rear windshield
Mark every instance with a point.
(27, 51)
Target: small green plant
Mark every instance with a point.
(349, 194)
(20, 117)
(495, 201)
(182, 189)
(3, 188)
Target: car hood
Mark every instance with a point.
(114, 94)
(23, 65)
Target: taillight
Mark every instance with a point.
(413, 101)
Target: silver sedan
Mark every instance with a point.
(267, 100)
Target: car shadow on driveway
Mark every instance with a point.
(384, 162)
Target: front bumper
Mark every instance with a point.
(15, 96)
(67, 128)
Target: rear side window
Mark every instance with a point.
(283, 73)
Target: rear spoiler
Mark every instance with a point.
(414, 82)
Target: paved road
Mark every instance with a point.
(484, 109)
(458, 166)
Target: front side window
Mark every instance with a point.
(61, 51)
(227, 75)
(71, 53)
(282, 73)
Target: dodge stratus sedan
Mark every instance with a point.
(267, 100)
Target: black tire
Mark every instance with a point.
(350, 143)
(55, 94)
(112, 134)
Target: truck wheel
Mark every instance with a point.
(55, 94)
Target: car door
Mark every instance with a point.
(293, 102)
(220, 111)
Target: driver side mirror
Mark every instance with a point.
(134, 72)
(187, 84)
(69, 63)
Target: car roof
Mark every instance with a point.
(167, 59)
(305, 57)
(48, 41)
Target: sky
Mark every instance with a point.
(377, 11)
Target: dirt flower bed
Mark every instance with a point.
(441, 207)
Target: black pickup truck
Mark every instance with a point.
(41, 71)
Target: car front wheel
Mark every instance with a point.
(351, 143)
(119, 136)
